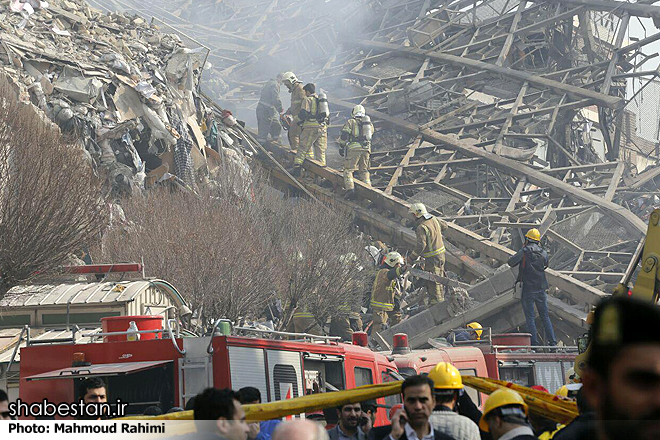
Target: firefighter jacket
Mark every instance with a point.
(270, 96)
(297, 98)
(385, 287)
(352, 135)
(309, 112)
(533, 260)
(429, 237)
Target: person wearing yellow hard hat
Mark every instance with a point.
(472, 333)
(447, 386)
(533, 260)
(505, 416)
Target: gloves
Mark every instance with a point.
(341, 150)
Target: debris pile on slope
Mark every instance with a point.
(127, 91)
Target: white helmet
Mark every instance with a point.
(418, 210)
(358, 111)
(572, 376)
(393, 258)
(289, 78)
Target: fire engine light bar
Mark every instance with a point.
(105, 268)
(361, 339)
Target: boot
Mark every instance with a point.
(297, 171)
(350, 194)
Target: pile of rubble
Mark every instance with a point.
(124, 89)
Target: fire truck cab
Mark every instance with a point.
(507, 357)
(167, 370)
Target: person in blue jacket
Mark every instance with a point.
(252, 395)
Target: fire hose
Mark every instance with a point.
(553, 407)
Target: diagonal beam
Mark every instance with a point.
(614, 183)
(576, 92)
(510, 166)
(404, 162)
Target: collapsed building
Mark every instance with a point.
(499, 115)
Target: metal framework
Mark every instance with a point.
(485, 111)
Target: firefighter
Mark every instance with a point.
(447, 387)
(533, 260)
(295, 87)
(348, 320)
(386, 288)
(505, 416)
(355, 147)
(314, 137)
(303, 321)
(268, 111)
(430, 245)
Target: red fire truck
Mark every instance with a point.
(167, 370)
(508, 357)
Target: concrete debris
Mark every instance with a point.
(128, 90)
(501, 116)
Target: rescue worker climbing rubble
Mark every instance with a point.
(314, 137)
(430, 245)
(533, 260)
(295, 87)
(386, 287)
(268, 111)
(355, 147)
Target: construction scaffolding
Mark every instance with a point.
(499, 115)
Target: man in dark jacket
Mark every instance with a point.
(533, 260)
(583, 427)
(348, 427)
(622, 378)
(412, 422)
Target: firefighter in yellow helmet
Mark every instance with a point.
(355, 147)
(447, 386)
(386, 287)
(505, 414)
(295, 87)
(533, 260)
(430, 245)
(313, 116)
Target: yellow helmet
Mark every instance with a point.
(499, 398)
(418, 210)
(475, 325)
(562, 392)
(533, 234)
(393, 258)
(446, 377)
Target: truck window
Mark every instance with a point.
(389, 376)
(474, 394)
(363, 376)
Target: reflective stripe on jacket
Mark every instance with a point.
(429, 237)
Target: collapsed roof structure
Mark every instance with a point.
(499, 115)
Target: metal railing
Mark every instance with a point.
(303, 336)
